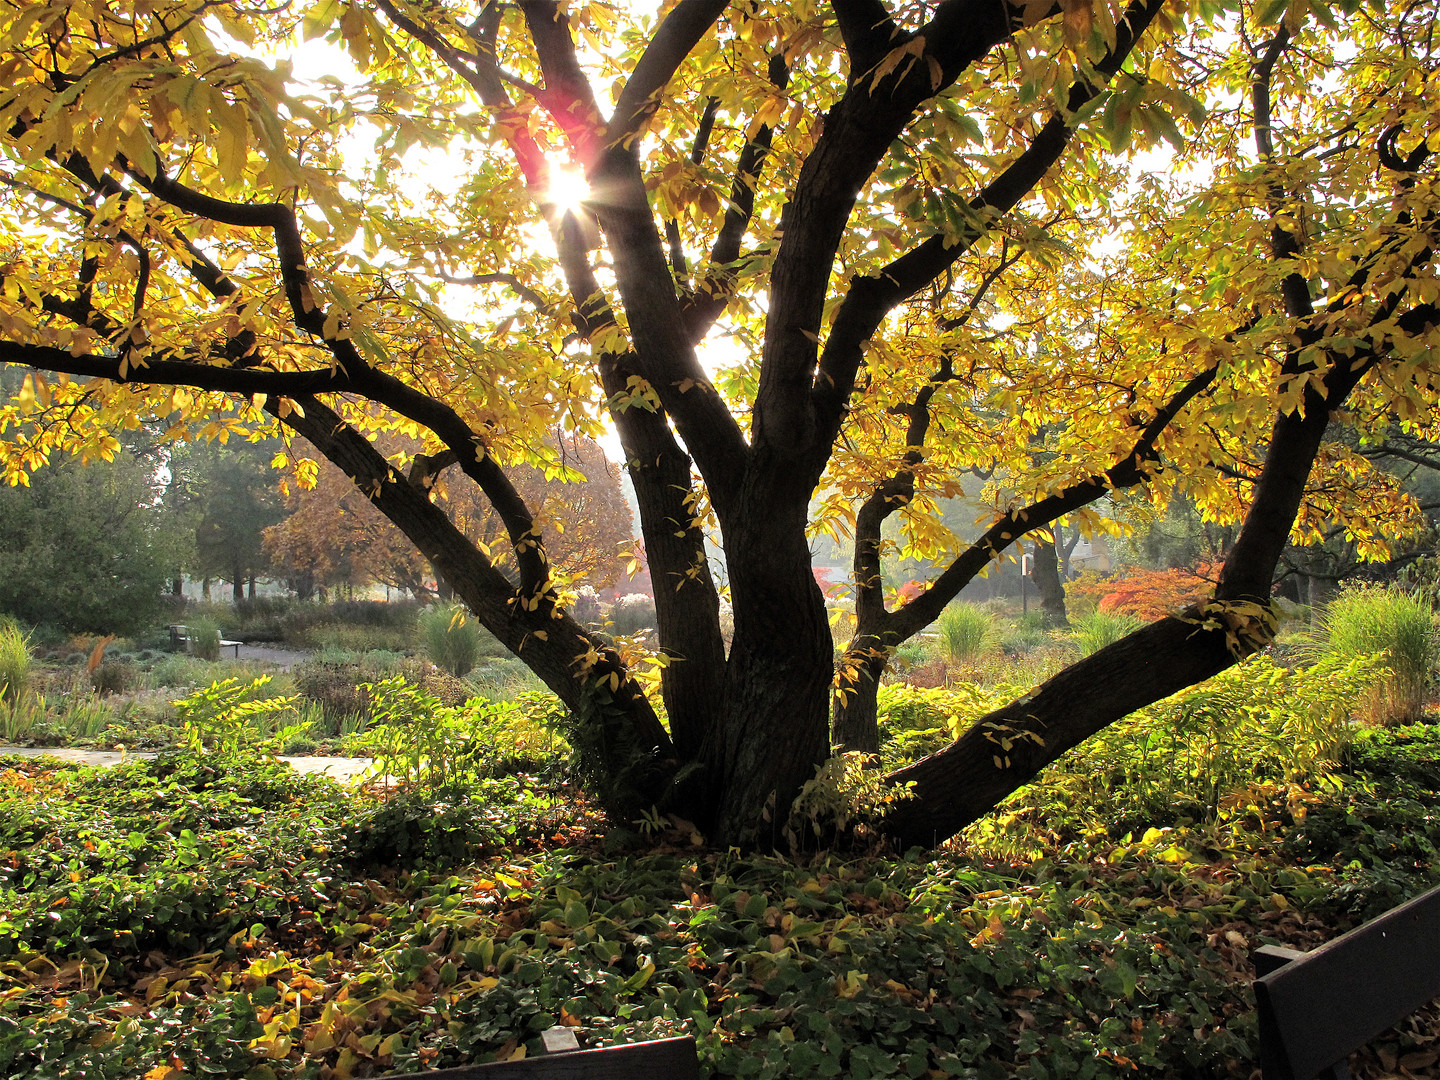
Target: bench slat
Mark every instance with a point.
(1316, 1010)
(662, 1059)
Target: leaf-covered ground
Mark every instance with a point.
(194, 917)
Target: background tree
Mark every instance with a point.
(578, 505)
(84, 547)
(866, 201)
(333, 535)
(230, 492)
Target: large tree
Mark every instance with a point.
(229, 492)
(918, 231)
(86, 549)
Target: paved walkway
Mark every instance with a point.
(341, 768)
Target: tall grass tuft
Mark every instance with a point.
(1097, 629)
(1363, 621)
(452, 638)
(14, 662)
(205, 639)
(967, 632)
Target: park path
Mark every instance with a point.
(341, 768)
(284, 659)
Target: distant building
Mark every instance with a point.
(1092, 554)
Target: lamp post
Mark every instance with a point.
(1024, 583)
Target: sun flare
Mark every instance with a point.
(566, 187)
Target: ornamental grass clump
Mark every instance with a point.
(14, 662)
(205, 639)
(1401, 626)
(452, 638)
(1094, 631)
(967, 632)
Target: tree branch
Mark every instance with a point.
(697, 155)
(682, 29)
(704, 306)
(1134, 469)
(899, 488)
(525, 292)
(1284, 243)
(870, 299)
(868, 30)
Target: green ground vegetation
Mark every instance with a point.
(217, 915)
(123, 693)
(209, 913)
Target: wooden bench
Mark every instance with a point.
(662, 1059)
(1318, 1007)
(180, 640)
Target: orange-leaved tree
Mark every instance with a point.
(834, 255)
(334, 535)
(1150, 594)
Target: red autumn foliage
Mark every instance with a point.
(1151, 594)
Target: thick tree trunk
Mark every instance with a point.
(687, 605)
(856, 707)
(775, 728)
(1045, 573)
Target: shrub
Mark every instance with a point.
(331, 685)
(1422, 578)
(1149, 594)
(264, 607)
(912, 654)
(1097, 629)
(915, 721)
(177, 669)
(505, 678)
(631, 614)
(1369, 620)
(396, 615)
(358, 639)
(967, 632)
(231, 716)
(421, 742)
(14, 662)
(1027, 632)
(353, 624)
(452, 638)
(114, 677)
(586, 607)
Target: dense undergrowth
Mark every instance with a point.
(206, 916)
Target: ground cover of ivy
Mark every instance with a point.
(206, 916)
